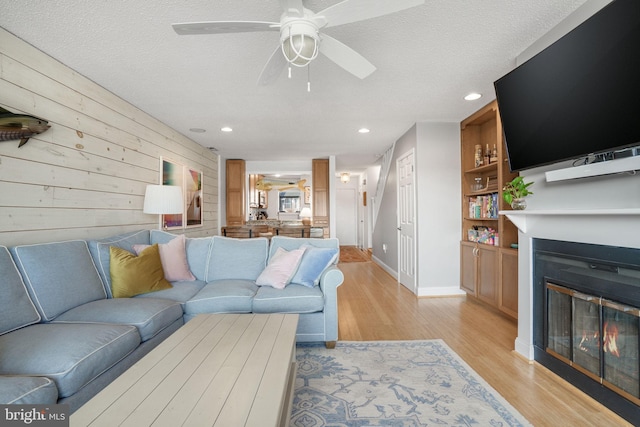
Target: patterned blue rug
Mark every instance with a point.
(393, 383)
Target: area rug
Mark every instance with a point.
(393, 383)
(353, 254)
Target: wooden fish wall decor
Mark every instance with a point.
(269, 184)
(20, 126)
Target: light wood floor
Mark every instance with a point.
(373, 306)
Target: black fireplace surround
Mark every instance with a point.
(586, 319)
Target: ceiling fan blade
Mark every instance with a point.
(359, 10)
(221, 27)
(346, 57)
(273, 68)
(292, 7)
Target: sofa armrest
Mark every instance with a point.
(329, 281)
(331, 278)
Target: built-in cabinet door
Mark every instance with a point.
(320, 198)
(468, 267)
(235, 198)
(508, 301)
(479, 271)
(487, 274)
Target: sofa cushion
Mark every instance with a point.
(58, 276)
(174, 259)
(290, 243)
(198, 251)
(314, 262)
(223, 296)
(280, 269)
(70, 354)
(16, 308)
(292, 299)
(150, 316)
(237, 258)
(180, 291)
(134, 275)
(100, 252)
(24, 390)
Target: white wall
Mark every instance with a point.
(437, 147)
(86, 176)
(576, 210)
(616, 191)
(438, 205)
(371, 175)
(385, 233)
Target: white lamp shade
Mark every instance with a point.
(163, 199)
(305, 213)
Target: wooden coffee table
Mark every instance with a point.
(217, 370)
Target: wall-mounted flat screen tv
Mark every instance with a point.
(579, 96)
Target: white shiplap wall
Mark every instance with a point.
(85, 177)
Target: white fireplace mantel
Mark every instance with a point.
(525, 219)
(601, 226)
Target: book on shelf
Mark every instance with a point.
(483, 206)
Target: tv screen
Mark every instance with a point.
(579, 96)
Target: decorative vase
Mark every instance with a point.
(519, 204)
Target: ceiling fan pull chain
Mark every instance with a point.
(289, 70)
(308, 77)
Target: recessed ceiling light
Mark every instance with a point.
(473, 96)
(363, 130)
(197, 130)
(226, 129)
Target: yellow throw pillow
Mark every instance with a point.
(133, 275)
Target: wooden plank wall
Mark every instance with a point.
(85, 177)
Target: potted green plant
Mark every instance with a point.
(515, 191)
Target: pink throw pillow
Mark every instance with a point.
(173, 256)
(281, 268)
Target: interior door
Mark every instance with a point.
(406, 221)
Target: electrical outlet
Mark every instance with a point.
(384, 248)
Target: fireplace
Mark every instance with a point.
(586, 319)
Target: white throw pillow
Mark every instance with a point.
(281, 268)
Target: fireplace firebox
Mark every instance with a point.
(587, 319)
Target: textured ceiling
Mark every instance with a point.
(427, 59)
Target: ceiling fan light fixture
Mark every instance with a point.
(300, 43)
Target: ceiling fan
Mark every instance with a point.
(300, 37)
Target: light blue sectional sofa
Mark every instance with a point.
(63, 337)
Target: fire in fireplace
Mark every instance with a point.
(587, 319)
(596, 336)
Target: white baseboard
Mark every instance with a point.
(385, 267)
(524, 348)
(442, 291)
